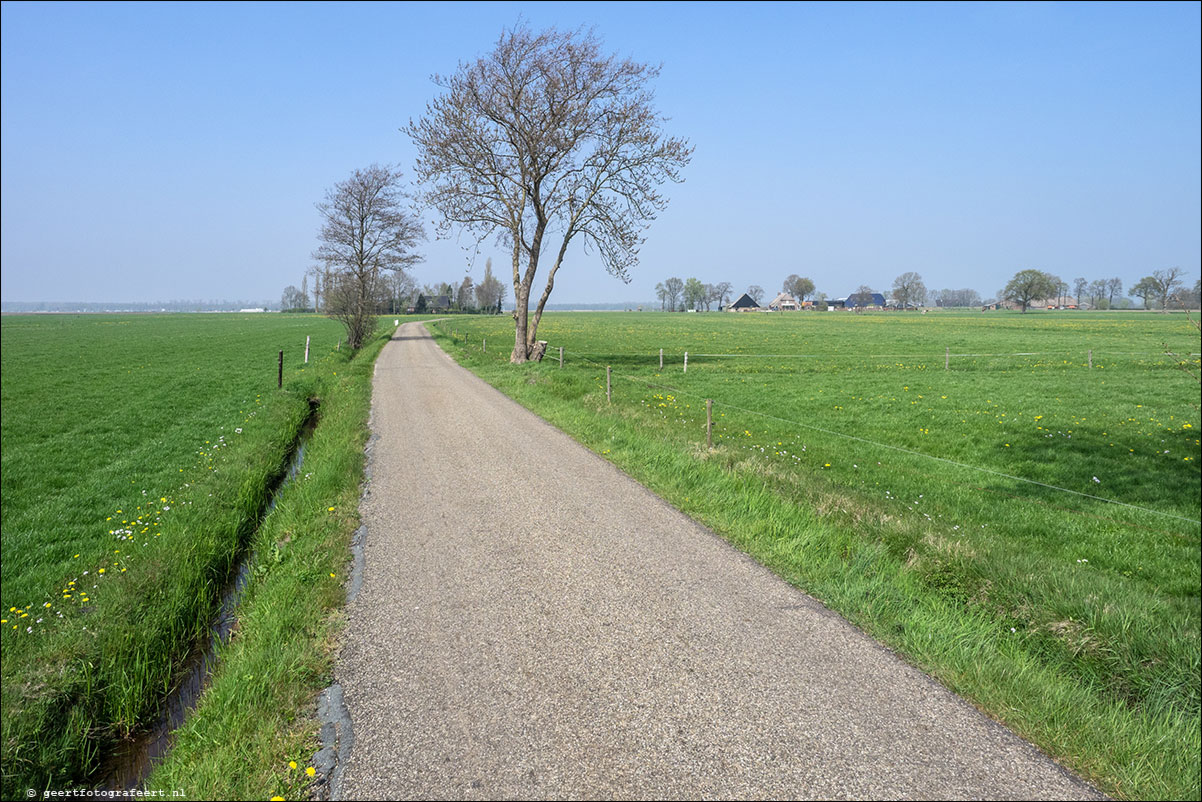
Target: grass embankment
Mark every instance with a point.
(255, 718)
(859, 479)
(138, 453)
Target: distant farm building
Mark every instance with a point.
(1063, 302)
(784, 303)
(430, 303)
(744, 304)
(850, 302)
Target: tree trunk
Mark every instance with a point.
(520, 319)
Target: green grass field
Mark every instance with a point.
(138, 453)
(846, 458)
(1021, 525)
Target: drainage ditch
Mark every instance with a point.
(131, 761)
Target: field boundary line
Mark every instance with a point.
(905, 450)
(877, 356)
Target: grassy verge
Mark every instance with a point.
(255, 718)
(1074, 622)
(103, 611)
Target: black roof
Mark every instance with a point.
(745, 302)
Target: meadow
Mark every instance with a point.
(1009, 501)
(139, 453)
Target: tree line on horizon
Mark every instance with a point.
(1163, 289)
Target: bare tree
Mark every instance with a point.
(673, 288)
(756, 292)
(964, 297)
(366, 230)
(1079, 285)
(293, 299)
(909, 290)
(1114, 287)
(723, 289)
(1097, 292)
(489, 292)
(319, 282)
(661, 292)
(465, 293)
(546, 137)
(798, 286)
(1166, 283)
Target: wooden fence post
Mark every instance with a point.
(561, 356)
(709, 422)
(485, 346)
(661, 359)
(686, 361)
(306, 349)
(1091, 359)
(947, 358)
(607, 395)
(280, 380)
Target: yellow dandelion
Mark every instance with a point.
(311, 771)
(292, 764)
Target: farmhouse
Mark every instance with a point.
(744, 304)
(784, 302)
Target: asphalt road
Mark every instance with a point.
(533, 623)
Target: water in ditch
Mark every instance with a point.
(131, 762)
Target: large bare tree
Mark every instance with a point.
(367, 229)
(543, 141)
(1167, 283)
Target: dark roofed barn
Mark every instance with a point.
(745, 302)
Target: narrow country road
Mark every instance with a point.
(533, 623)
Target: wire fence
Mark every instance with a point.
(559, 354)
(893, 447)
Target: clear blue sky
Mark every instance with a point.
(153, 152)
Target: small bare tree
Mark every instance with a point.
(673, 289)
(366, 229)
(543, 141)
(489, 292)
(723, 289)
(909, 291)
